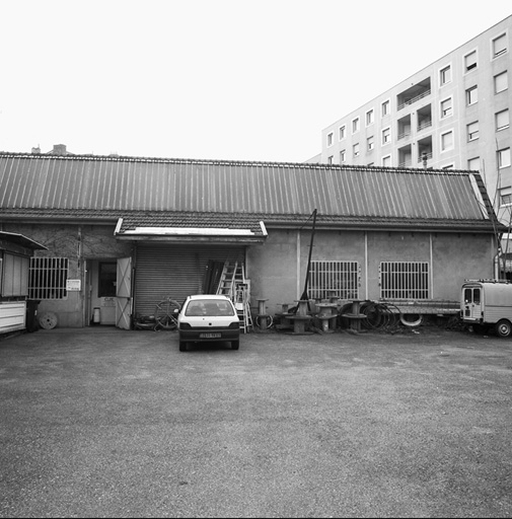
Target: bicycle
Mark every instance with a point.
(166, 314)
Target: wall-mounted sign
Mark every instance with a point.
(73, 285)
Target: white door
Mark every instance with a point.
(124, 302)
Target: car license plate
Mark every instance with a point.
(209, 335)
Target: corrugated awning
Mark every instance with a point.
(22, 240)
(192, 227)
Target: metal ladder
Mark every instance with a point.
(234, 285)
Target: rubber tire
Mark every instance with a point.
(411, 324)
(504, 328)
(183, 346)
(235, 345)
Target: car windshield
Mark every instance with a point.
(209, 307)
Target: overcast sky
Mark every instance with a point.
(211, 79)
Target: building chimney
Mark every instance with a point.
(59, 149)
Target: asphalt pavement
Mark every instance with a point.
(102, 422)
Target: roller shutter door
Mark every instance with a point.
(173, 271)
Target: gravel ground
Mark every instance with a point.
(102, 422)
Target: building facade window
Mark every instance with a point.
(386, 161)
(499, 45)
(386, 136)
(500, 82)
(385, 108)
(502, 120)
(472, 95)
(370, 144)
(329, 139)
(446, 108)
(107, 278)
(370, 117)
(339, 277)
(445, 75)
(48, 278)
(474, 164)
(343, 156)
(404, 280)
(504, 158)
(506, 196)
(472, 131)
(355, 149)
(342, 132)
(470, 61)
(355, 125)
(329, 159)
(447, 141)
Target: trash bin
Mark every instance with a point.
(32, 323)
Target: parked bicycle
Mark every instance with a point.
(166, 314)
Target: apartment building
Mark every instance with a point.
(452, 114)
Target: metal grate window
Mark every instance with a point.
(47, 278)
(404, 280)
(334, 278)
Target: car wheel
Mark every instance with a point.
(183, 346)
(235, 345)
(504, 328)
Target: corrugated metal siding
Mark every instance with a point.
(175, 272)
(99, 183)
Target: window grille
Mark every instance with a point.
(404, 280)
(47, 278)
(334, 278)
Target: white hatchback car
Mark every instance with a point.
(208, 318)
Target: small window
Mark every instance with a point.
(385, 108)
(499, 45)
(338, 278)
(404, 280)
(342, 132)
(343, 156)
(107, 279)
(370, 117)
(472, 131)
(386, 161)
(506, 196)
(355, 125)
(472, 95)
(474, 164)
(448, 166)
(504, 158)
(502, 120)
(355, 150)
(447, 141)
(330, 159)
(329, 139)
(445, 75)
(500, 82)
(446, 108)
(48, 278)
(470, 62)
(386, 136)
(370, 144)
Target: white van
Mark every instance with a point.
(487, 303)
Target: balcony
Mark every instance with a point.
(424, 124)
(414, 94)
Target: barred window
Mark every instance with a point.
(404, 280)
(334, 278)
(47, 278)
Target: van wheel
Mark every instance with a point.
(235, 345)
(183, 346)
(504, 328)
